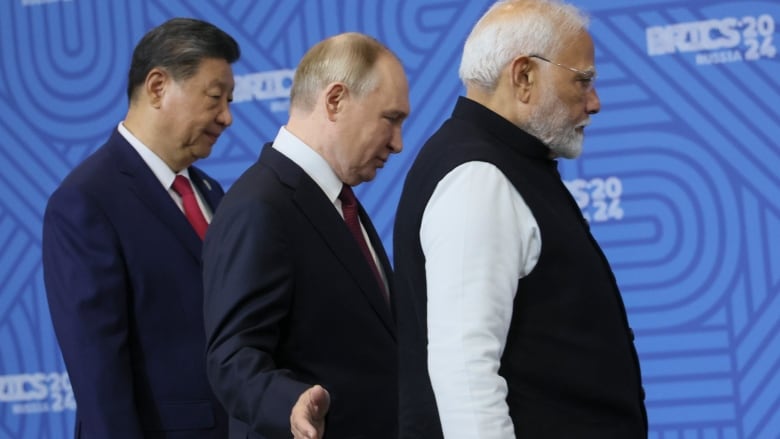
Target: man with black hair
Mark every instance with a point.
(122, 239)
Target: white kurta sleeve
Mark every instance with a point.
(479, 238)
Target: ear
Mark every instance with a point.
(336, 95)
(154, 86)
(523, 76)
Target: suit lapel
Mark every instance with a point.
(142, 182)
(324, 217)
(379, 249)
(211, 191)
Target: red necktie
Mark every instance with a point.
(182, 186)
(349, 206)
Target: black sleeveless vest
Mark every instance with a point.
(569, 360)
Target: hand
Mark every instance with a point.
(307, 420)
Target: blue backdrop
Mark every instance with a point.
(679, 175)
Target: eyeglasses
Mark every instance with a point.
(586, 78)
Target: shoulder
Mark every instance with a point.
(256, 192)
(93, 175)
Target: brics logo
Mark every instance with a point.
(37, 393)
(598, 198)
(717, 41)
(273, 86)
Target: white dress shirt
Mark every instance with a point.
(164, 173)
(316, 167)
(479, 238)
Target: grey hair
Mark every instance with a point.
(532, 27)
(348, 58)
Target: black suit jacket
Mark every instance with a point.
(122, 269)
(291, 302)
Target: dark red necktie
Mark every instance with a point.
(349, 206)
(182, 186)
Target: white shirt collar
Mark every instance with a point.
(152, 160)
(310, 161)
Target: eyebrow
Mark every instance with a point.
(220, 83)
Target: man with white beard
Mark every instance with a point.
(510, 322)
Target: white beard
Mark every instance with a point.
(549, 122)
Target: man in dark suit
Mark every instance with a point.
(300, 332)
(121, 246)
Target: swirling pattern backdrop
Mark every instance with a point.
(679, 176)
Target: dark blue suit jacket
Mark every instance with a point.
(122, 268)
(290, 302)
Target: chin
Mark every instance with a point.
(568, 150)
(574, 153)
(368, 176)
(202, 153)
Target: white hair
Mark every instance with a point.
(531, 27)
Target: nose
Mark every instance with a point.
(396, 142)
(225, 117)
(592, 103)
